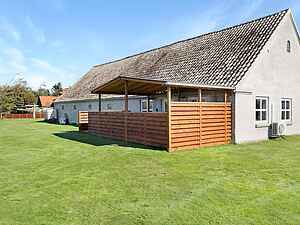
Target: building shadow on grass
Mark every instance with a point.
(95, 140)
(54, 122)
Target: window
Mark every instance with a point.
(74, 107)
(288, 46)
(108, 107)
(261, 112)
(151, 106)
(144, 106)
(286, 109)
(90, 106)
(62, 107)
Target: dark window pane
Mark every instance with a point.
(258, 116)
(282, 104)
(288, 115)
(283, 115)
(287, 104)
(257, 104)
(264, 115)
(264, 104)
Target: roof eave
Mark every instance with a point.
(197, 86)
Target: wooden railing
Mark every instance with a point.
(144, 128)
(199, 124)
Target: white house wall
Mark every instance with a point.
(116, 104)
(275, 74)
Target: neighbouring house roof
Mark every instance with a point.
(218, 58)
(46, 101)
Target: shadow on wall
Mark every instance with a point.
(99, 141)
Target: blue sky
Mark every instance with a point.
(60, 40)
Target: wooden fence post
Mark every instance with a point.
(200, 113)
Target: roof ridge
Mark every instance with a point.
(192, 38)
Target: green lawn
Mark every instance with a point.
(51, 174)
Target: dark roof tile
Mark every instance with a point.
(219, 58)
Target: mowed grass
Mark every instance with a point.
(51, 174)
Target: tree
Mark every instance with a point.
(43, 90)
(15, 96)
(56, 89)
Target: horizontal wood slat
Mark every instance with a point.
(200, 124)
(144, 128)
(192, 125)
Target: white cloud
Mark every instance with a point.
(37, 34)
(9, 30)
(34, 70)
(14, 60)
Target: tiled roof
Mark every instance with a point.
(219, 58)
(46, 101)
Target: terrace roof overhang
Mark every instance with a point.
(137, 86)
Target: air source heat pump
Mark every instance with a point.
(276, 130)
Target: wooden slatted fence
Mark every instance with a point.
(199, 124)
(191, 125)
(144, 128)
(38, 115)
(83, 120)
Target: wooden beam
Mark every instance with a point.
(126, 111)
(148, 103)
(200, 114)
(199, 95)
(99, 102)
(126, 95)
(169, 99)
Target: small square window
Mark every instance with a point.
(90, 106)
(286, 109)
(62, 107)
(74, 107)
(288, 47)
(261, 112)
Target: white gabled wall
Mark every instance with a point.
(274, 74)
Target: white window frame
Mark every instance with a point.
(261, 110)
(145, 102)
(285, 110)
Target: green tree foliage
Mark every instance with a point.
(57, 89)
(15, 96)
(43, 90)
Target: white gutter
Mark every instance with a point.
(197, 86)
